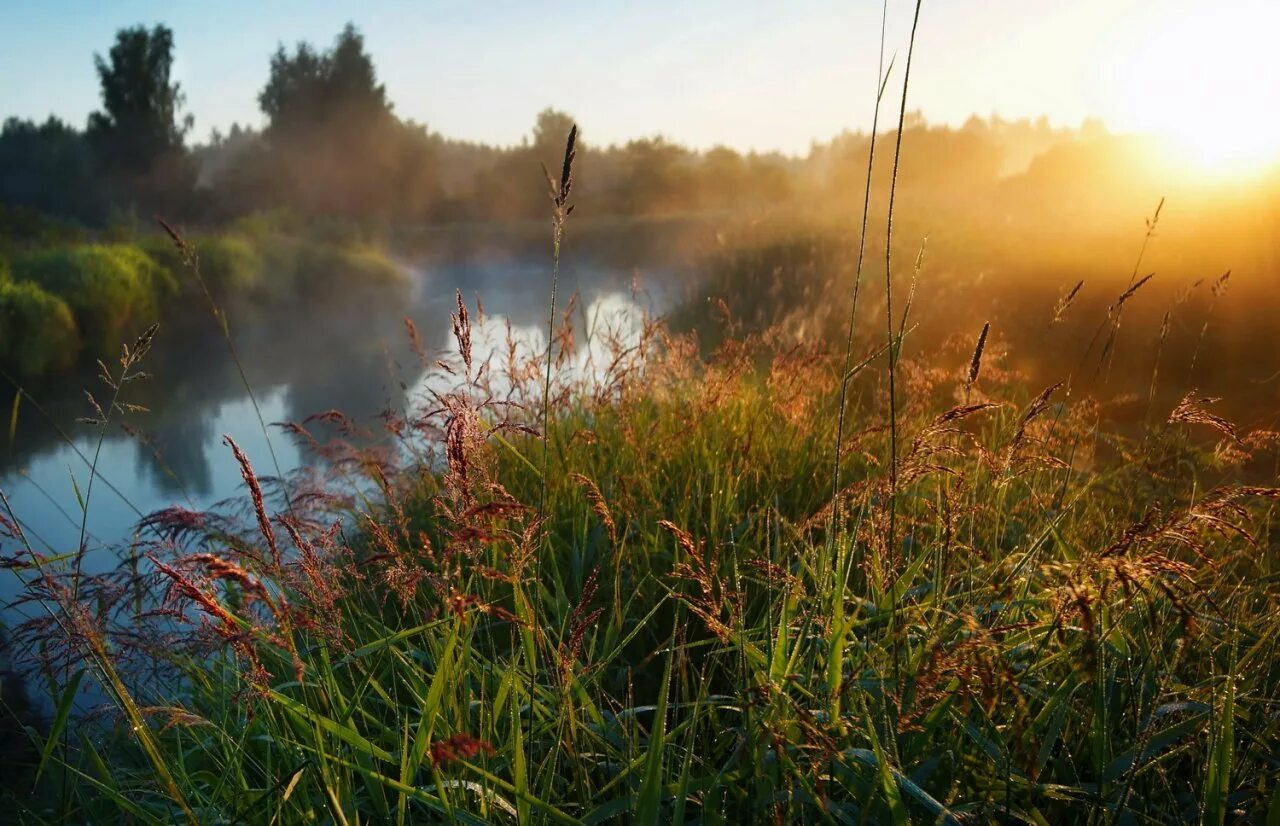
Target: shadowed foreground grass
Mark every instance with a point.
(1068, 626)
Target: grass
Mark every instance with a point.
(1069, 626)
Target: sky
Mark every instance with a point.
(743, 73)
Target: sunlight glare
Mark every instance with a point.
(1206, 81)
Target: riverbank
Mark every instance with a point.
(71, 300)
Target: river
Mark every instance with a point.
(346, 352)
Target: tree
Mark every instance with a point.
(137, 138)
(140, 123)
(309, 91)
(551, 129)
(334, 145)
(48, 167)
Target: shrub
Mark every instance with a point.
(39, 332)
(324, 267)
(365, 266)
(112, 290)
(229, 265)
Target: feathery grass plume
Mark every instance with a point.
(415, 342)
(255, 492)
(598, 504)
(1133, 288)
(1191, 410)
(458, 747)
(975, 363)
(462, 333)
(228, 626)
(1114, 311)
(581, 620)
(1065, 302)
(714, 603)
(1013, 451)
(1111, 323)
(129, 361)
(174, 716)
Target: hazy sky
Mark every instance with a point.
(748, 74)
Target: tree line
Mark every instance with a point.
(332, 145)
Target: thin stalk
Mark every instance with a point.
(557, 235)
(103, 422)
(882, 79)
(888, 283)
(560, 212)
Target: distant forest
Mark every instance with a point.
(334, 147)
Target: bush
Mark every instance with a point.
(364, 266)
(310, 269)
(113, 290)
(39, 332)
(229, 265)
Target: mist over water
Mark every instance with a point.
(353, 357)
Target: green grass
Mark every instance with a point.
(1069, 627)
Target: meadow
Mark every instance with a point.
(930, 524)
(738, 574)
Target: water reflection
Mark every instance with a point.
(609, 324)
(353, 356)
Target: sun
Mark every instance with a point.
(1205, 77)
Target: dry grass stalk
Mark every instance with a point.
(975, 363)
(1191, 410)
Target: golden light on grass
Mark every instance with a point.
(1205, 79)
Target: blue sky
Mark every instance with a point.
(764, 75)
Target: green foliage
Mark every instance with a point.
(39, 332)
(306, 268)
(114, 291)
(77, 300)
(139, 124)
(333, 146)
(48, 167)
(309, 91)
(230, 265)
(325, 268)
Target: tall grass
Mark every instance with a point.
(1091, 658)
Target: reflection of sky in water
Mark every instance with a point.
(44, 499)
(608, 321)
